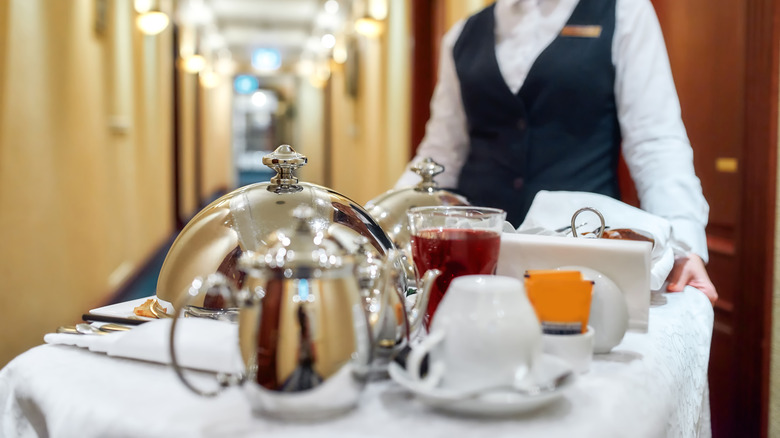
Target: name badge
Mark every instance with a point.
(581, 31)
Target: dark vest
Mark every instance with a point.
(559, 132)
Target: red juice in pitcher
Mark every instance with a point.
(454, 252)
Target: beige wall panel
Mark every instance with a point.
(216, 113)
(398, 92)
(310, 131)
(187, 181)
(358, 128)
(370, 133)
(50, 104)
(153, 137)
(345, 128)
(123, 129)
(370, 174)
(70, 170)
(5, 7)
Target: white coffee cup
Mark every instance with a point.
(485, 333)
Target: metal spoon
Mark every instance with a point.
(69, 329)
(113, 328)
(87, 329)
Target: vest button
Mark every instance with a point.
(521, 125)
(518, 183)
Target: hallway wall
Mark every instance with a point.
(216, 113)
(85, 160)
(370, 128)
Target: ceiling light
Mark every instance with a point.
(331, 6)
(305, 67)
(259, 99)
(194, 63)
(328, 41)
(195, 13)
(152, 22)
(369, 27)
(266, 59)
(323, 72)
(209, 79)
(214, 41)
(245, 84)
(340, 54)
(316, 82)
(142, 6)
(377, 9)
(225, 67)
(186, 48)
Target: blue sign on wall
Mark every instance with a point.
(245, 84)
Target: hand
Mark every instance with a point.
(690, 271)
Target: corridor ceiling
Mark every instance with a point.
(236, 28)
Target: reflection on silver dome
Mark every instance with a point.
(389, 209)
(240, 221)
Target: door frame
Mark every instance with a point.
(756, 227)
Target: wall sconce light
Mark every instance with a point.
(142, 6)
(369, 27)
(340, 54)
(331, 6)
(152, 22)
(194, 63)
(209, 79)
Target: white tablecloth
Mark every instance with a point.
(651, 385)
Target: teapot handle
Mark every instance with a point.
(223, 379)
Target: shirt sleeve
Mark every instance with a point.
(446, 135)
(655, 144)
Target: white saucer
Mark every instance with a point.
(494, 403)
(121, 310)
(124, 309)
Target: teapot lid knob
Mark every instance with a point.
(427, 168)
(284, 160)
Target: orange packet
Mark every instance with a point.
(561, 300)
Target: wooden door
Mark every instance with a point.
(724, 61)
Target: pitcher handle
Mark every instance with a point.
(224, 380)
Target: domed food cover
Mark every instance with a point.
(241, 220)
(389, 209)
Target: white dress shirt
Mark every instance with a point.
(655, 144)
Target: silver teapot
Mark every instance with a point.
(314, 320)
(304, 336)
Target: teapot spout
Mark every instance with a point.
(416, 314)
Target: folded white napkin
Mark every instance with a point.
(202, 344)
(551, 211)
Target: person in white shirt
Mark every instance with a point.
(544, 95)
